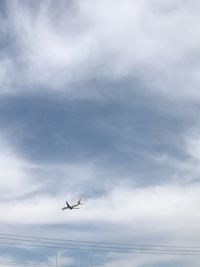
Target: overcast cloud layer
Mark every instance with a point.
(100, 100)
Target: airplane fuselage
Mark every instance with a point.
(71, 207)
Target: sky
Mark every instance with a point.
(99, 100)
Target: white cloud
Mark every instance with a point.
(168, 214)
(66, 43)
(151, 210)
(57, 45)
(165, 206)
(15, 172)
(145, 39)
(49, 53)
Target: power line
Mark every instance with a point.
(25, 242)
(63, 241)
(138, 250)
(14, 263)
(99, 248)
(94, 246)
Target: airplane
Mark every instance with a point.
(71, 207)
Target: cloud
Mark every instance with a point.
(6, 81)
(62, 260)
(139, 209)
(166, 215)
(150, 260)
(143, 39)
(47, 52)
(132, 154)
(192, 144)
(15, 174)
(56, 46)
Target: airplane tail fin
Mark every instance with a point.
(79, 202)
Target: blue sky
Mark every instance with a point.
(100, 100)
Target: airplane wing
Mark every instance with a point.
(69, 206)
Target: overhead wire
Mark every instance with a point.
(17, 240)
(24, 264)
(29, 264)
(97, 242)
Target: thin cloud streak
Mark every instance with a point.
(88, 42)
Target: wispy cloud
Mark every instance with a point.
(15, 175)
(101, 105)
(56, 45)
